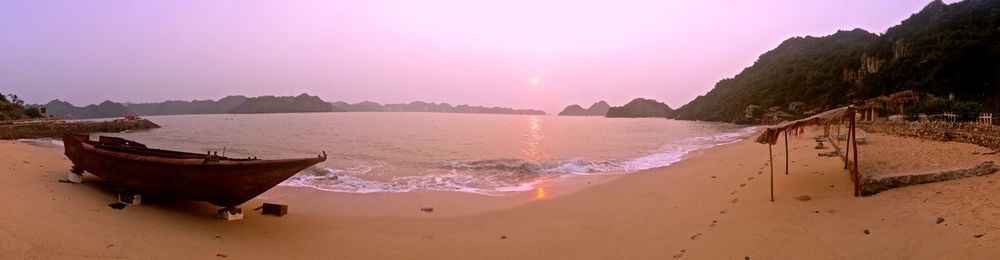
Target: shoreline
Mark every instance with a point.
(716, 199)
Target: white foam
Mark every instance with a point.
(502, 176)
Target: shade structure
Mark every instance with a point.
(827, 118)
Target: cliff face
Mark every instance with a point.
(641, 107)
(597, 109)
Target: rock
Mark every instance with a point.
(939, 220)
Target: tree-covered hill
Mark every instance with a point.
(942, 50)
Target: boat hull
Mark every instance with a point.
(224, 182)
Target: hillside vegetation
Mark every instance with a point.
(943, 50)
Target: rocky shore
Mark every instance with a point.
(57, 128)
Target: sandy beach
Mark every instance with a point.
(713, 205)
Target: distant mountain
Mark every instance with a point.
(366, 106)
(224, 105)
(270, 104)
(573, 110)
(947, 50)
(641, 107)
(597, 109)
(264, 104)
(227, 105)
(106, 109)
(419, 106)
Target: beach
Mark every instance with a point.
(713, 205)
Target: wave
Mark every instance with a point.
(501, 176)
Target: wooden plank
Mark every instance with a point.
(275, 209)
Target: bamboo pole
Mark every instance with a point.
(854, 141)
(786, 152)
(847, 143)
(770, 157)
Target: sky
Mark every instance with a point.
(525, 54)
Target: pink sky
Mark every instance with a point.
(460, 52)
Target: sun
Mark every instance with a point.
(534, 80)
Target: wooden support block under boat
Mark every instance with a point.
(129, 198)
(231, 214)
(274, 209)
(74, 177)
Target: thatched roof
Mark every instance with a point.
(829, 117)
(905, 95)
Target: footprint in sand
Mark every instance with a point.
(695, 236)
(732, 193)
(735, 200)
(743, 184)
(679, 255)
(724, 211)
(714, 222)
(751, 178)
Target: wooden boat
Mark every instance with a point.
(226, 182)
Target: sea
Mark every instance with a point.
(485, 154)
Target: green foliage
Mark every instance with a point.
(33, 112)
(967, 111)
(12, 108)
(941, 50)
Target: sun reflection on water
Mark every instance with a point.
(539, 193)
(533, 140)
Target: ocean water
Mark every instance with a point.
(402, 152)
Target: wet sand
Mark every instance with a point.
(714, 205)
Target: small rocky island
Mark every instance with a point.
(597, 109)
(641, 107)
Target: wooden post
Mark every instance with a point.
(847, 143)
(770, 157)
(854, 141)
(786, 152)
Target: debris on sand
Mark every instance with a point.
(221, 255)
(980, 235)
(503, 237)
(803, 198)
(428, 210)
(939, 220)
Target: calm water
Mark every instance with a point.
(400, 152)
